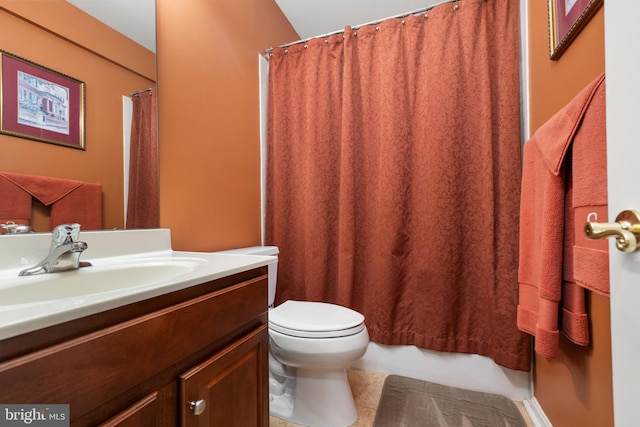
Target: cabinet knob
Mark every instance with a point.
(198, 406)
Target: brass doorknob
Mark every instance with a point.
(626, 230)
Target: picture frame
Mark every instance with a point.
(566, 20)
(40, 104)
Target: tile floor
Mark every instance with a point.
(367, 388)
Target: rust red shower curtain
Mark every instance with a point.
(143, 206)
(393, 177)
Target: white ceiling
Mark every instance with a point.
(135, 19)
(310, 18)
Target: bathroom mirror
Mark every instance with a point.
(60, 36)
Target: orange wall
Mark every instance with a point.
(208, 97)
(59, 36)
(575, 388)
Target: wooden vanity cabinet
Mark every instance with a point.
(143, 364)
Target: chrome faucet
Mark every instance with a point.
(64, 252)
(13, 228)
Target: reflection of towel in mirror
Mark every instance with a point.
(563, 181)
(15, 203)
(70, 200)
(82, 205)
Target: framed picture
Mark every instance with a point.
(566, 19)
(40, 104)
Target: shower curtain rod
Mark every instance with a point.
(402, 15)
(137, 93)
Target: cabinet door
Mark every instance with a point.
(142, 413)
(231, 388)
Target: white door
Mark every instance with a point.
(622, 55)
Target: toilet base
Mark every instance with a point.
(317, 398)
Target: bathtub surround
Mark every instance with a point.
(392, 177)
(469, 371)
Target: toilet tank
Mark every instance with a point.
(273, 267)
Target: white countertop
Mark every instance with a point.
(127, 267)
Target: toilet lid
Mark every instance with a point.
(315, 320)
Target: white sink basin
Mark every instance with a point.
(128, 266)
(128, 275)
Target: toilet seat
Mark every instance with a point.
(306, 319)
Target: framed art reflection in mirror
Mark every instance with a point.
(41, 104)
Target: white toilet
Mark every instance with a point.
(311, 344)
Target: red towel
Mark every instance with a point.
(563, 174)
(82, 205)
(46, 189)
(590, 198)
(70, 200)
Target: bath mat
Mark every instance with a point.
(407, 402)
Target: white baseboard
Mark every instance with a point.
(537, 415)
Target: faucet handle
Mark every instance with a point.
(65, 233)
